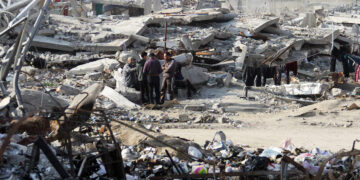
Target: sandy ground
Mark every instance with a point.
(326, 125)
(333, 139)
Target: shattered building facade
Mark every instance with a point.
(261, 72)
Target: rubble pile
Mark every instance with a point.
(162, 157)
(66, 112)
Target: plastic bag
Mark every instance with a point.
(193, 151)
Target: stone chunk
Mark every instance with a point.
(337, 92)
(195, 107)
(185, 40)
(67, 90)
(123, 56)
(183, 59)
(184, 118)
(29, 69)
(93, 76)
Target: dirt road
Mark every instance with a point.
(333, 139)
(327, 125)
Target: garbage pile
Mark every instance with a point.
(157, 156)
(224, 159)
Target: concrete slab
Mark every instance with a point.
(204, 40)
(257, 24)
(115, 2)
(117, 98)
(343, 20)
(130, 93)
(303, 89)
(112, 46)
(136, 25)
(61, 45)
(188, 17)
(53, 44)
(95, 35)
(96, 66)
(324, 39)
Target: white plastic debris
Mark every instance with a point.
(193, 151)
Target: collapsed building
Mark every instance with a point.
(62, 91)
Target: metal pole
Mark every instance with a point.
(70, 154)
(165, 36)
(5, 68)
(173, 163)
(24, 12)
(2, 4)
(18, 65)
(12, 26)
(16, 5)
(26, 46)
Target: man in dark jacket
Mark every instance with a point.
(129, 73)
(152, 70)
(169, 69)
(142, 80)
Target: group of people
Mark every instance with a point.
(144, 75)
(258, 75)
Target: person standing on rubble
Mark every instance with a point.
(152, 70)
(142, 80)
(129, 73)
(169, 69)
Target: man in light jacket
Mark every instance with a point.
(169, 69)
